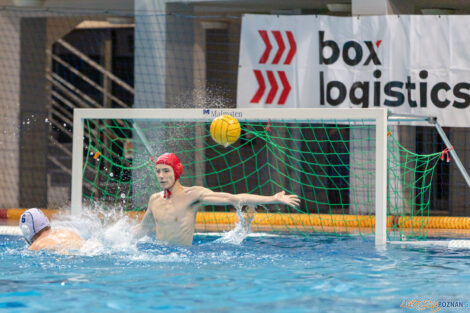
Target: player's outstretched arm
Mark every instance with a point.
(208, 197)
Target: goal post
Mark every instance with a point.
(292, 134)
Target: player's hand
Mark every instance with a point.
(290, 200)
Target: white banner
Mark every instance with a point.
(409, 64)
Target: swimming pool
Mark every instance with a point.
(261, 274)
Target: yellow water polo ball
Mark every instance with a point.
(225, 130)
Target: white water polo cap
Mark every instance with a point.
(32, 222)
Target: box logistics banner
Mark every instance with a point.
(409, 64)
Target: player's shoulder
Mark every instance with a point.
(45, 242)
(196, 190)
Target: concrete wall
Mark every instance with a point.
(37, 35)
(33, 112)
(10, 108)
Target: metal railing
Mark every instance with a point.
(65, 95)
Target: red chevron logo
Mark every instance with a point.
(267, 43)
(293, 48)
(262, 87)
(287, 88)
(281, 46)
(273, 91)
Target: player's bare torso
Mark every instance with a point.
(175, 217)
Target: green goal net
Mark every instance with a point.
(329, 164)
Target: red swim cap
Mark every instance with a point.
(172, 160)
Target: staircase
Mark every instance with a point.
(65, 95)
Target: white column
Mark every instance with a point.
(149, 54)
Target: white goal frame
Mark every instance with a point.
(377, 116)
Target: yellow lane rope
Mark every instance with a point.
(298, 220)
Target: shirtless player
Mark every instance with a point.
(172, 212)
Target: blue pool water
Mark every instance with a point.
(261, 274)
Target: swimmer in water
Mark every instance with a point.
(171, 213)
(39, 235)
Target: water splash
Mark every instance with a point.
(214, 97)
(105, 231)
(242, 227)
(110, 232)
